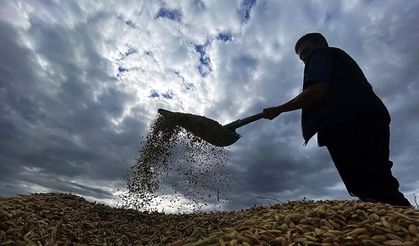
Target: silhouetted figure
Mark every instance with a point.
(340, 105)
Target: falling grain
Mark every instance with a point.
(178, 162)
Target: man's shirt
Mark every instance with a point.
(349, 97)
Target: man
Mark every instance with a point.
(340, 105)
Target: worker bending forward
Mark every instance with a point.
(339, 104)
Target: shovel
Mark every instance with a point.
(207, 129)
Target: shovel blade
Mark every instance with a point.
(207, 129)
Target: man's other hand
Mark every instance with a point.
(271, 113)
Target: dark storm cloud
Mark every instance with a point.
(54, 122)
(269, 164)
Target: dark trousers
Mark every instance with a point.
(361, 156)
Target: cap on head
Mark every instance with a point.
(314, 37)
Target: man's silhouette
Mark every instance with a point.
(340, 105)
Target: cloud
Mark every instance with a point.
(58, 107)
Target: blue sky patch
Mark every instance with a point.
(203, 59)
(122, 69)
(245, 9)
(130, 51)
(225, 36)
(148, 53)
(168, 95)
(204, 66)
(130, 24)
(199, 5)
(154, 94)
(186, 85)
(172, 14)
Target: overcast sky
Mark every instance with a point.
(80, 82)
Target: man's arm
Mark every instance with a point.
(302, 100)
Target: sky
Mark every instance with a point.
(81, 82)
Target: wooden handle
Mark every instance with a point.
(241, 122)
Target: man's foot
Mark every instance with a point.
(402, 202)
(367, 199)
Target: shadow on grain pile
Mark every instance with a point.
(65, 219)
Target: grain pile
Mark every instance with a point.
(176, 162)
(325, 223)
(64, 219)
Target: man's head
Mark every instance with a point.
(307, 43)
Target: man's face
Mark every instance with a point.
(305, 50)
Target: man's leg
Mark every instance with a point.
(362, 159)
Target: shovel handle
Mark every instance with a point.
(241, 122)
